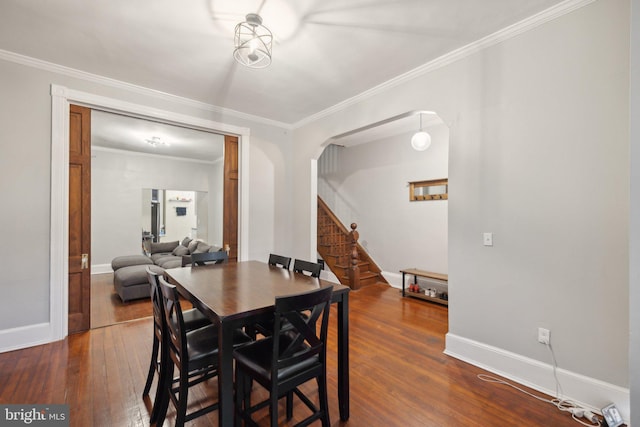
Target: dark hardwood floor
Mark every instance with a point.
(399, 375)
(108, 309)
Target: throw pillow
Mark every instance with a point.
(192, 246)
(163, 247)
(185, 242)
(180, 250)
(202, 247)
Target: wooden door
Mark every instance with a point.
(231, 180)
(79, 218)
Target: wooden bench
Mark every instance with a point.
(426, 274)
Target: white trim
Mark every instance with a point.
(453, 56)
(61, 98)
(589, 392)
(25, 336)
(59, 249)
(109, 82)
(101, 269)
(313, 209)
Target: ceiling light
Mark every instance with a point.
(421, 140)
(253, 42)
(155, 141)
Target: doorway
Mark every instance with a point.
(62, 97)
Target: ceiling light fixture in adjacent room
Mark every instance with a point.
(155, 141)
(421, 140)
(253, 42)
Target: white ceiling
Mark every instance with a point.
(326, 51)
(117, 132)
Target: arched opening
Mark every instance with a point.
(363, 175)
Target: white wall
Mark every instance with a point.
(116, 193)
(538, 156)
(371, 179)
(177, 227)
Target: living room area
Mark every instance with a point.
(153, 185)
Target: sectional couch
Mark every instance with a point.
(130, 271)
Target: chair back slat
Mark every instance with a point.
(203, 258)
(298, 339)
(177, 342)
(280, 261)
(306, 267)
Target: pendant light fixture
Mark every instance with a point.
(253, 42)
(421, 140)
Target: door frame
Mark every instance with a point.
(61, 98)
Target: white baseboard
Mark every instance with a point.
(588, 392)
(101, 269)
(25, 336)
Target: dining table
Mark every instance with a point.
(237, 294)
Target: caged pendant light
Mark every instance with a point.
(253, 42)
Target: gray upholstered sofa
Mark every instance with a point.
(170, 254)
(130, 271)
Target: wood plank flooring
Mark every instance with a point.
(399, 375)
(108, 309)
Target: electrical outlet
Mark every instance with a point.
(544, 336)
(487, 239)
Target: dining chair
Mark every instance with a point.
(264, 327)
(193, 353)
(193, 319)
(203, 258)
(279, 261)
(293, 355)
(306, 267)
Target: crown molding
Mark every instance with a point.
(118, 84)
(507, 33)
(500, 36)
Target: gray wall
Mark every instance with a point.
(370, 182)
(539, 156)
(25, 183)
(117, 180)
(634, 282)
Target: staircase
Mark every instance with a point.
(342, 253)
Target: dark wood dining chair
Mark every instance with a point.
(306, 267)
(279, 261)
(193, 319)
(294, 354)
(264, 327)
(193, 353)
(203, 258)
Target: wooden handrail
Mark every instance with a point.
(348, 260)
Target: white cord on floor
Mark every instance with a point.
(576, 410)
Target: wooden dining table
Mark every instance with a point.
(235, 295)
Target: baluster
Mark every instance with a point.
(354, 270)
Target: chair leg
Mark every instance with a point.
(273, 408)
(289, 405)
(183, 394)
(161, 386)
(162, 396)
(153, 366)
(324, 401)
(239, 398)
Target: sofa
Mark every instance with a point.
(130, 271)
(170, 254)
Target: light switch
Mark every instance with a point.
(488, 239)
